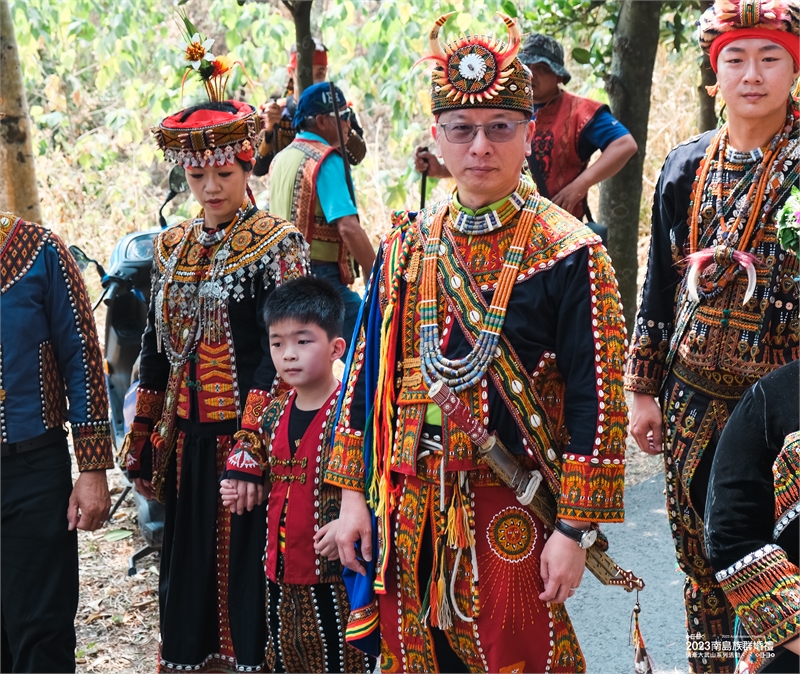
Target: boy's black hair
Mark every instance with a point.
(218, 106)
(307, 300)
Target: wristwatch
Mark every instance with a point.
(584, 539)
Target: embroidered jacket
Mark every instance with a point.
(49, 351)
(558, 395)
(205, 352)
(723, 346)
(753, 509)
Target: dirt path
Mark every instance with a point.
(117, 621)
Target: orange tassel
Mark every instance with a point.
(157, 441)
(712, 90)
(642, 662)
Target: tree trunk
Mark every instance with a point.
(18, 193)
(301, 13)
(628, 85)
(707, 118)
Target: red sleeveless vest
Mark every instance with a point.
(311, 504)
(555, 142)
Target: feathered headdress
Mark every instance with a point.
(478, 71)
(728, 20)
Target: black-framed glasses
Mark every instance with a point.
(501, 131)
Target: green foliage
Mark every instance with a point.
(100, 73)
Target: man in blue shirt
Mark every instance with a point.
(308, 187)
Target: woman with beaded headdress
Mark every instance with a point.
(511, 303)
(206, 369)
(719, 306)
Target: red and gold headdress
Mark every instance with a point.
(729, 20)
(208, 137)
(478, 71)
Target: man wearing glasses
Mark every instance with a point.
(308, 187)
(569, 131)
(513, 305)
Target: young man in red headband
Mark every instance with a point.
(719, 306)
(206, 372)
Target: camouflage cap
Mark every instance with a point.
(539, 48)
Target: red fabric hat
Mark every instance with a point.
(209, 137)
(320, 55)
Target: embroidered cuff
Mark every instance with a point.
(246, 457)
(345, 468)
(592, 492)
(92, 442)
(149, 405)
(764, 590)
(257, 401)
(643, 376)
(135, 440)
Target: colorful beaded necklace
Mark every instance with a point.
(755, 207)
(204, 318)
(743, 234)
(463, 373)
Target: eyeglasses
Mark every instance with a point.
(496, 132)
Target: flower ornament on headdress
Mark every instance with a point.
(208, 137)
(478, 71)
(196, 51)
(729, 20)
(214, 71)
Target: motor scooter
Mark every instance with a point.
(126, 295)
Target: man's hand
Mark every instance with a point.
(145, 488)
(562, 564)
(89, 501)
(325, 541)
(571, 195)
(355, 524)
(270, 115)
(427, 161)
(646, 423)
(240, 495)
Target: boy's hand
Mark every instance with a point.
(325, 541)
(227, 490)
(239, 495)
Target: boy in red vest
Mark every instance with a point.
(307, 602)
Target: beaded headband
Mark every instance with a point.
(209, 137)
(477, 71)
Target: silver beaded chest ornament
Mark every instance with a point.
(199, 307)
